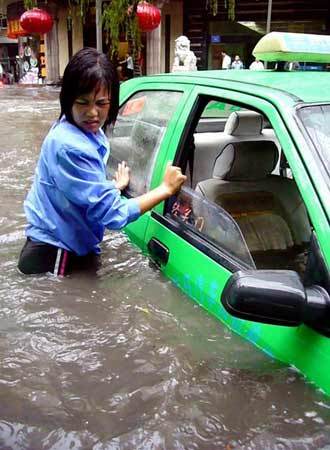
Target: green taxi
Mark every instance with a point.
(248, 235)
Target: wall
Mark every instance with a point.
(63, 50)
(156, 40)
(77, 36)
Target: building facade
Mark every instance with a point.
(209, 34)
(39, 58)
(68, 34)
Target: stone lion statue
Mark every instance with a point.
(184, 59)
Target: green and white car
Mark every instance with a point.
(248, 235)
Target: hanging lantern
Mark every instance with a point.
(36, 20)
(148, 16)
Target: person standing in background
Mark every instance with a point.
(237, 63)
(27, 53)
(226, 60)
(292, 65)
(116, 63)
(139, 64)
(129, 65)
(257, 65)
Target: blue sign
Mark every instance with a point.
(215, 38)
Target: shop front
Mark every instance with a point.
(210, 34)
(239, 38)
(29, 65)
(232, 37)
(8, 50)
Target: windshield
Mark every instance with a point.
(316, 120)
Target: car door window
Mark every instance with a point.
(316, 120)
(242, 173)
(137, 135)
(211, 222)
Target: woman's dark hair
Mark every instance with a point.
(88, 69)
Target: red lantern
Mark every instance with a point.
(148, 16)
(36, 21)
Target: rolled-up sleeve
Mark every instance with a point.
(82, 180)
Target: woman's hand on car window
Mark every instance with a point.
(122, 176)
(173, 179)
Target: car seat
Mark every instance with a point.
(240, 126)
(268, 208)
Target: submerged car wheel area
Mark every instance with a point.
(248, 235)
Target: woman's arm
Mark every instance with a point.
(172, 182)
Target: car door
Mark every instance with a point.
(144, 127)
(199, 266)
(200, 263)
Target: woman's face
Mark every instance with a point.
(90, 111)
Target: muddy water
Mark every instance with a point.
(124, 360)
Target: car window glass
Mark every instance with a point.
(215, 108)
(316, 120)
(212, 222)
(241, 168)
(215, 115)
(138, 133)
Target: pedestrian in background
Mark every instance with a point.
(292, 65)
(257, 65)
(226, 60)
(71, 201)
(237, 64)
(116, 64)
(129, 65)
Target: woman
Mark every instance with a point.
(71, 202)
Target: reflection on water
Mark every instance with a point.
(124, 360)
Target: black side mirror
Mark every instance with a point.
(277, 297)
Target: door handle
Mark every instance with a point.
(158, 251)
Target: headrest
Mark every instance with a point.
(244, 123)
(246, 160)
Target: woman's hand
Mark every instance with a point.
(122, 176)
(173, 179)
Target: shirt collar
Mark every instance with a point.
(98, 138)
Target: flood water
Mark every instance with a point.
(124, 360)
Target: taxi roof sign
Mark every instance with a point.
(276, 46)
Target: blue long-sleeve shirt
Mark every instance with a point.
(71, 202)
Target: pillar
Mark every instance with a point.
(52, 48)
(153, 41)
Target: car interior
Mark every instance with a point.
(242, 197)
(243, 170)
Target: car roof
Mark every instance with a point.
(306, 86)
